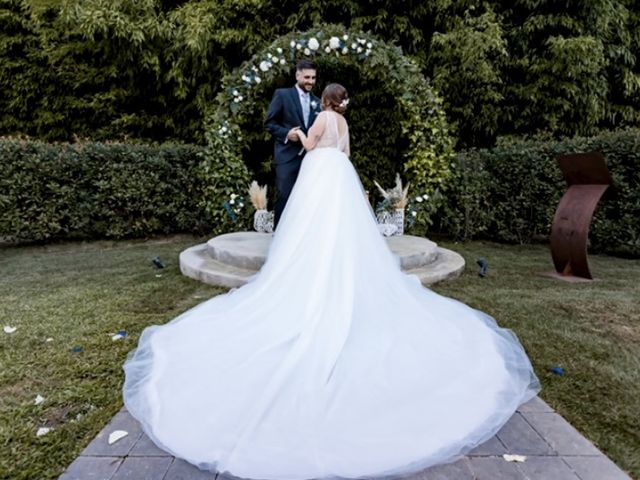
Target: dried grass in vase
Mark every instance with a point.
(396, 197)
(258, 196)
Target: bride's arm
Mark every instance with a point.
(315, 132)
(347, 146)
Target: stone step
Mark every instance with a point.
(195, 262)
(447, 265)
(248, 250)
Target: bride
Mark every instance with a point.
(331, 362)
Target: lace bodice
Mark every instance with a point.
(330, 130)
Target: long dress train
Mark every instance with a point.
(331, 362)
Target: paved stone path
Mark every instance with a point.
(554, 450)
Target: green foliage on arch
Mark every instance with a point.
(423, 146)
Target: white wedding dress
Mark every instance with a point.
(331, 362)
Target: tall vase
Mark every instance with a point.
(394, 217)
(263, 221)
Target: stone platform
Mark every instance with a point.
(231, 259)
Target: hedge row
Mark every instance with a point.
(509, 193)
(97, 190)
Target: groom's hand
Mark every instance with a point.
(292, 136)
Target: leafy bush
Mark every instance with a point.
(97, 190)
(509, 193)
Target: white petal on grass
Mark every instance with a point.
(50, 339)
(38, 400)
(514, 458)
(42, 431)
(117, 336)
(117, 435)
(9, 329)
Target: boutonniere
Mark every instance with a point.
(314, 104)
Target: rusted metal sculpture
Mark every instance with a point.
(588, 179)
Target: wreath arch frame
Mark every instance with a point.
(427, 160)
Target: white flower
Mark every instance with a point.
(223, 129)
(232, 201)
(254, 68)
(327, 49)
(42, 431)
(345, 50)
(38, 400)
(314, 104)
(235, 93)
(367, 52)
(419, 199)
(240, 98)
(298, 46)
(334, 42)
(354, 45)
(362, 41)
(425, 196)
(345, 37)
(414, 213)
(279, 50)
(269, 55)
(245, 78)
(117, 435)
(514, 458)
(282, 61)
(240, 204)
(359, 50)
(9, 329)
(293, 43)
(314, 44)
(369, 45)
(50, 339)
(257, 79)
(307, 51)
(264, 65)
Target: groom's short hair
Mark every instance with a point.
(305, 64)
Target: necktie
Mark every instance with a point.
(305, 108)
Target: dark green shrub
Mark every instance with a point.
(509, 193)
(97, 190)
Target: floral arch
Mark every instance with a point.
(426, 160)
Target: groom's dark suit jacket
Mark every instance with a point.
(285, 112)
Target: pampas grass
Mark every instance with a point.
(258, 196)
(395, 197)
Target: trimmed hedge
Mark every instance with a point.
(97, 190)
(112, 190)
(509, 193)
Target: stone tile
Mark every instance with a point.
(596, 468)
(99, 446)
(138, 468)
(144, 447)
(491, 447)
(545, 468)
(519, 438)
(92, 468)
(181, 470)
(564, 439)
(536, 404)
(459, 470)
(492, 468)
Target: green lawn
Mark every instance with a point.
(80, 294)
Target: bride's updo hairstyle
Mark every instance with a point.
(335, 97)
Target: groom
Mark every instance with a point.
(291, 108)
